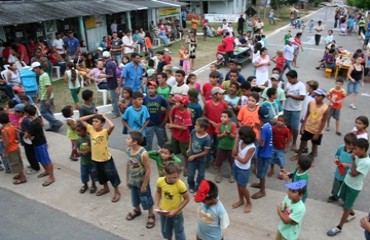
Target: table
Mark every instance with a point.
(338, 67)
(242, 54)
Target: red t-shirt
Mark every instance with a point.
(336, 95)
(220, 49)
(167, 59)
(207, 90)
(280, 62)
(22, 49)
(229, 44)
(182, 118)
(213, 113)
(280, 136)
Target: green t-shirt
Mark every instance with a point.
(84, 144)
(362, 166)
(296, 212)
(164, 91)
(44, 83)
(226, 142)
(301, 176)
(153, 154)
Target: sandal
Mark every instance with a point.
(16, 177)
(102, 192)
(83, 189)
(150, 224)
(17, 182)
(116, 197)
(131, 216)
(47, 183)
(93, 189)
(218, 178)
(43, 174)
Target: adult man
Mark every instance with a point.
(128, 43)
(59, 44)
(241, 22)
(46, 98)
(73, 46)
(117, 48)
(295, 92)
(271, 17)
(111, 76)
(132, 73)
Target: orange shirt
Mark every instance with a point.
(148, 42)
(250, 118)
(12, 137)
(194, 23)
(181, 54)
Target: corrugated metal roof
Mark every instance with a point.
(20, 12)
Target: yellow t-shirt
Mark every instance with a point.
(171, 194)
(99, 144)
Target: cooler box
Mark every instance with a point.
(29, 82)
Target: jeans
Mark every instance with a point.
(114, 97)
(173, 224)
(197, 164)
(118, 58)
(271, 20)
(317, 39)
(47, 113)
(164, 39)
(287, 66)
(88, 171)
(29, 150)
(159, 132)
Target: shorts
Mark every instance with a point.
(262, 167)
(348, 195)
(353, 87)
(292, 119)
(278, 157)
(179, 147)
(145, 199)
(42, 154)
(106, 171)
(308, 136)
(222, 155)
(181, 63)
(74, 93)
(334, 113)
(15, 161)
(241, 175)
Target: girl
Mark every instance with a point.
(181, 55)
(360, 129)
(279, 60)
(148, 44)
(261, 63)
(192, 41)
(194, 106)
(67, 112)
(191, 81)
(125, 60)
(125, 99)
(71, 77)
(186, 62)
(255, 87)
(356, 78)
(243, 152)
(233, 99)
(248, 114)
(297, 41)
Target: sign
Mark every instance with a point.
(90, 22)
(167, 12)
(220, 17)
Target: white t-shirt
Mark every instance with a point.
(59, 44)
(182, 90)
(362, 135)
(171, 81)
(128, 41)
(242, 153)
(297, 89)
(288, 52)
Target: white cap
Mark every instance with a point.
(100, 48)
(106, 54)
(166, 50)
(35, 64)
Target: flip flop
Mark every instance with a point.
(131, 216)
(17, 182)
(43, 174)
(101, 192)
(116, 197)
(47, 183)
(83, 189)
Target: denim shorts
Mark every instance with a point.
(42, 154)
(262, 167)
(170, 225)
(138, 197)
(106, 171)
(88, 171)
(353, 87)
(278, 157)
(292, 119)
(241, 175)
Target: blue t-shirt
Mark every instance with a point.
(199, 144)
(136, 118)
(344, 157)
(72, 45)
(265, 151)
(25, 125)
(156, 107)
(132, 74)
(196, 111)
(241, 78)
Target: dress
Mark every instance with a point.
(262, 73)
(192, 47)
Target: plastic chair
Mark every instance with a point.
(104, 94)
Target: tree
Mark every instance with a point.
(360, 4)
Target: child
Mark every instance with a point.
(264, 152)
(199, 146)
(353, 182)
(148, 44)
(137, 178)
(125, 99)
(360, 129)
(67, 112)
(180, 121)
(194, 107)
(274, 80)
(248, 115)
(255, 88)
(287, 37)
(280, 143)
(207, 87)
(186, 62)
(87, 168)
(226, 133)
(100, 154)
(233, 75)
(213, 68)
(162, 157)
(212, 216)
(343, 161)
(279, 60)
(335, 97)
(291, 211)
(161, 63)
(88, 107)
(11, 149)
(36, 134)
(300, 173)
(311, 24)
(180, 88)
(163, 88)
(243, 152)
(150, 69)
(191, 81)
(246, 90)
(13, 118)
(272, 104)
(181, 55)
(170, 208)
(72, 78)
(233, 99)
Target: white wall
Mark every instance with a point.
(220, 7)
(95, 35)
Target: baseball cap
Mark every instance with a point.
(106, 54)
(100, 48)
(182, 99)
(321, 92)
(19, 107)
(263, 113)
(152, 83)
(18, 89)
(166, 50)
(217, 90)
(35, 64)
(296, 185)
(275, 76)
(202, 192)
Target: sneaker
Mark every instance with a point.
(32, 171)
(333, 232)
(331, 199)
(352, 106)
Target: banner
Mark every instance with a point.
(220, 17)
(167, 12)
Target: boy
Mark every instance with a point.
(212, 216)
(226, 133)
(170, 198)
(353, 182)
(291, 211)
(11, 149)
(280, 142)
(36, 134)
(233, 65)
(213, 68)
(271, 103)
(137, 178)
(343, 161)
(87, 168)
(100, 154)
(180, 88)
(162, 157)
(275, 84)
(88, 107)
(161, 63)
(136, 117)
(194, 107)
(264, 153)
(233, 77)
(180, 121)
(207, 87)
(335, 97)
(246, 89)
(199, 145)
(158, 115)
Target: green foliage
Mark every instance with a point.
(364, 4)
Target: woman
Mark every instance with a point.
(356, 77)
(192, 41)
(103, 43)
(32, 46)
(71, 77)
(261, 63)
(13, 76)
(57, 60)
(297, 41)
(96, 74)
(43, 47)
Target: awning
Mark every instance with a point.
(20, 12)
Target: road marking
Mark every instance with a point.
(365, 94)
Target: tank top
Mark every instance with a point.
(77, 82)
(242, 153)
(315, 118)
(136, 167)
(355, 74)
(14, 77)
(71, 133)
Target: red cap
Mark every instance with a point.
(202, 192)
(182, 99)
(18, 89)
(152, 83)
